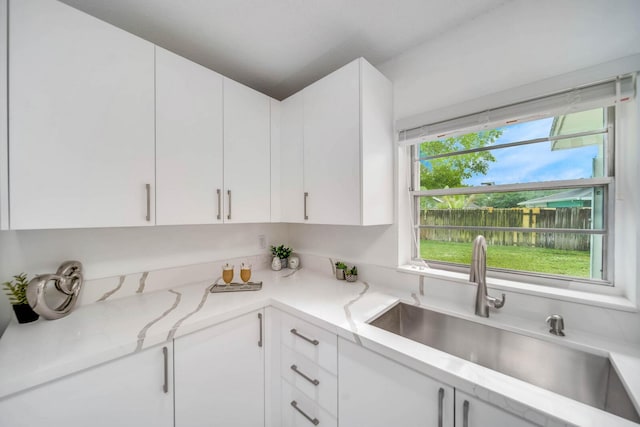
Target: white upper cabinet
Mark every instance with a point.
(347, 149)
(292, 159)
(247, 155)
(81, 104)
(189, 168)
(332, 147)
(4, 148)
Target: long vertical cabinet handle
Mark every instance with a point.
(306, 195)
(260, 325)
(465, 414)
(440, 406)
(229, 194)
(148, 188)
(165, 386)
(219, 216)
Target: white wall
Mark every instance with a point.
(114, 251)
(521, 42)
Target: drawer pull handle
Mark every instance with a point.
(260, 321)
(296, 333)
(294, 368)
(306, 195)
(313, 421)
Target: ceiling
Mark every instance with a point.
(280, 46)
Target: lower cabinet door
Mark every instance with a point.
(132, 391)
(377, 392)
(471, 412)
(219, 375)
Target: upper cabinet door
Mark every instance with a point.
(332, 149)
(247, 157)
(292, 159)
(188, 142)
(81, 133)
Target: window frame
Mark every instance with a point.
(607, 231)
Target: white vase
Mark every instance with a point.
(276, 265)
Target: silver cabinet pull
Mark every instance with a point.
(313, 421)
(440, 406)
(296, 333)
(148, 188)
(260, 322)
(294, 368)
(219, 204)
(165, 353)
(306, 195)
(229, 194)
(465, 414)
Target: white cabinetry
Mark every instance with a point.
(292, 159)
(81, 122)
(189, 168)
(219, 375)
(472, 412)
(247, 157)
(304, 368)
(375, 391)
(127, 392)
(345, 144)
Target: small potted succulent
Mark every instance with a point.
(351, 275)
(340, 268)
(16, 290)
(282, 253)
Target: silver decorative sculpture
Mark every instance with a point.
(67, 280)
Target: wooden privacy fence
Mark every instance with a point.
(531, 218)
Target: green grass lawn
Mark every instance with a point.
(540, 260)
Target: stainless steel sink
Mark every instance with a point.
(582, 376)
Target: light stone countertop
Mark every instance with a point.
(35, 353)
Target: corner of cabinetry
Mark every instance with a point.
(4, 116)
(377, 157)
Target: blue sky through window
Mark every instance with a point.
(535, 162)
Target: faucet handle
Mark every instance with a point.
(556, 324)
(500, 302)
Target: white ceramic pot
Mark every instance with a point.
(276, 265)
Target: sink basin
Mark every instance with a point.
(582, 376)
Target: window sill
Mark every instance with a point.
(614, 302)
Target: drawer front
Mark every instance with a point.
(315, 343)
(316, 383)
(306, 413)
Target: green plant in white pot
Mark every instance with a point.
(340, 269)
(282, 253)
(351, 274)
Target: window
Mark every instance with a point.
(538, 186)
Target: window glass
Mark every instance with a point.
(519, 223)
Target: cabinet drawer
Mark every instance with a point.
(316, 383)
(315, 343)
(295, 416)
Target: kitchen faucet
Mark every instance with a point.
(478, 275)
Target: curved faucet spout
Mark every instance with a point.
(478, 275)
